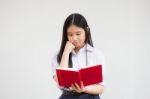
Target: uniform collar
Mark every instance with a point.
(89, 49)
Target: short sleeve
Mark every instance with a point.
(54, 64)
(101, 60)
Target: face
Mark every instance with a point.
(76, 36)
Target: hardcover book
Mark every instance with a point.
(88, 75)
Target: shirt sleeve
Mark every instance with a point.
(101, 60)
(54, 64)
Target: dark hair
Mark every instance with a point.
(78, 20)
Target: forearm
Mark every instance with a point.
(64, 60)
(65, 56)
(96, 89)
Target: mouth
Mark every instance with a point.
(75, 43)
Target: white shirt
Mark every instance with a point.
(94, 57)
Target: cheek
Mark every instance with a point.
(83, 39)
(70, 39)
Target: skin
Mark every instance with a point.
(76, 40)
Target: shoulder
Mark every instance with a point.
(98, 52)
(95, 51)
(99, 56)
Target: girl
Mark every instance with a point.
(77, 51)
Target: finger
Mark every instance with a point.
(73, 87)
(77, 86)
(82, 85)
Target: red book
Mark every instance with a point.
(89, 75)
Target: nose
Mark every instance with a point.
(74, 38)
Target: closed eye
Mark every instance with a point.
(78, 33)
(70, 34)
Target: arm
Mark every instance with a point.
(93, 89)
(65, 57)
(96, 89)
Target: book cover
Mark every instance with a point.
(89, 75)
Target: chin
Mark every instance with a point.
(76, 46)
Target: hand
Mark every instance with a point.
(75, 87)
(69, 47)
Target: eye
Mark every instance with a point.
(78, 33)
(70, 35)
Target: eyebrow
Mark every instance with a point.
(75, 32)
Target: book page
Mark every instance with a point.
(65, 68)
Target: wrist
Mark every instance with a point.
(84, 90)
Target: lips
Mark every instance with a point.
(75, 43)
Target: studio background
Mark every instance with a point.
(30, 34)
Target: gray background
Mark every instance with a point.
(30, 33)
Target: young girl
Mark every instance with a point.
(77, 51)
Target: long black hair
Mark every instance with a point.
(79, 21)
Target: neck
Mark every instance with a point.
(76, 50)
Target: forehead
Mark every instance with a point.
(74, 28)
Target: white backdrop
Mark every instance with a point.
(30, 33)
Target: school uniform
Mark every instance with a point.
(86, 56)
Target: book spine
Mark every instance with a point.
(80, 80)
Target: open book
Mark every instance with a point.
(89, 75)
